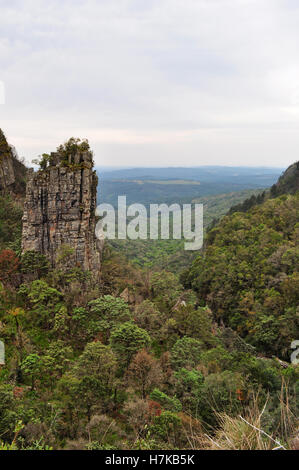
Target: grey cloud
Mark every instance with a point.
(196, 78)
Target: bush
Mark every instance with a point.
(186, 353)
(168, 403)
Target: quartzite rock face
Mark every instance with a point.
(12, 171)
(7, 174)
(60, 210)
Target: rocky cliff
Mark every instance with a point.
(12, 171)
(288, 183)
(60, 207)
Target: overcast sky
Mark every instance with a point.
(153, 82)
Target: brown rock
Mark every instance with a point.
(60, 208)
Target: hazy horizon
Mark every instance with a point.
(189, 166)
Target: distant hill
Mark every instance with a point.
(262, 176)
(155, 185)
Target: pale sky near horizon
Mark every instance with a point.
(153, 82)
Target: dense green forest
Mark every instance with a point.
(248, 273)
(170, 254)
(145, 359)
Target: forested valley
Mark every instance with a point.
(195, 357)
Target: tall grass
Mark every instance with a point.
(245, 432)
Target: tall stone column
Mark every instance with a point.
(60, 210)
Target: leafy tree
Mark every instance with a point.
(8, 414)
(144, 373)
(73, 146)
(33, 262)
(40, 293)
(188, 388)
(220, 392)
(186, 353)
(126, 340)
(166, 427)
(10, 224)
(106, 313)
(168, 403)
(9, 263)
(90, 383)
(55, 362)
(44, 301)
(42, 160)
(148, 317)
(165, 289)
(216, 359)
(248, 271)
(195, 323)
(31, 367)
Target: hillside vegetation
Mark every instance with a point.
(170, 254)
(248, 274)
(141, 361)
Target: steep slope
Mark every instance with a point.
(248, 273)
(12, 171)
(288, 183)
(12, 193)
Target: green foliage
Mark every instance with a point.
(39, 292)
(42, 160)
(186, 353)
(90, 382)
(195, 323)
(73, 146)
(87, 370)
(127, 339)
(7, 412)
(166, 426)
(168, 254)
(107, 312)
(188, 388)
(219, 393)
(216, 359)
(148, 317)
(165, 289)
(248, 273)
(55, 362)
(31, 367)
(168, 403)
(10, 224)
(33, 262)
(4, 147)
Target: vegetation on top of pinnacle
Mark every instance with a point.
(67, 152)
